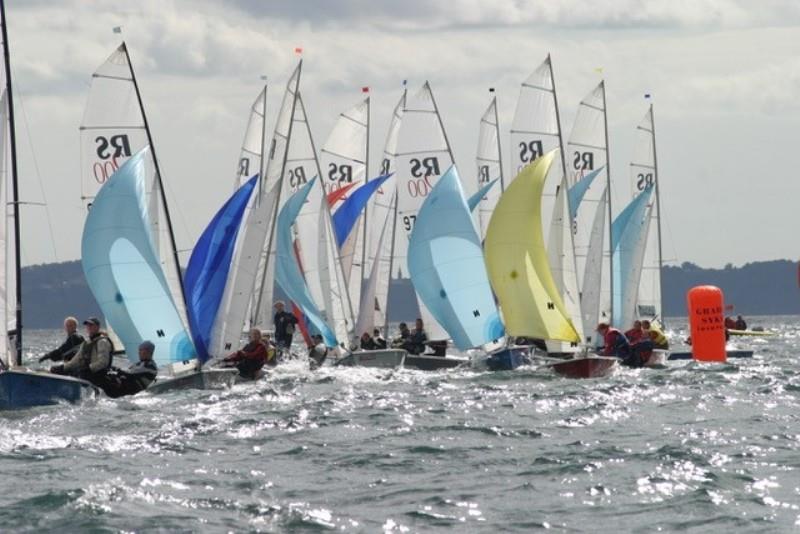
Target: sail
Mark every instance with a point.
(644, 172)
(345, 218)
(535, 130)
(481, 195)
(250, 158)
(423, 154)
(587, 174)
(208, 268)
(8, 298)
(516, 261)
(343, 160)
(123, 270)
(628, 242)
(445, 261)
(562, 262)
(258, 244)
(287, 272)
(490, 165)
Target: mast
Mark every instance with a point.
(441, 124)
(499, 153)
(608, 201)
(15, 184)
(280, 188)
(658, 209)
(262, 166)
(170, 232)
(558, 119)
(364, 228)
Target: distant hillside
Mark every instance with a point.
(56, 290)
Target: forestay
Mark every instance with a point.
(445, 261)
(490, 165)
(516, 261)
(122, 268)
(423, 154)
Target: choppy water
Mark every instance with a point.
(693, 447)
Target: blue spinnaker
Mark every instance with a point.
(348, 213)
(123, 271)
(475, 199)
(207, 273)
(287, 273)
(628, 241)
(576, 193)
(445, 260)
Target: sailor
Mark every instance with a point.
(654, 333)
(379, 341)
(284, 326)
(730, 323)
(415, 344)
(615, 342)
(92, 360)
(119, 383)
(367, 342)
(317, 352)
(70, 346)
(740, 323)
(272, 354)
(635, 334)
(251, 358)
(405, 333)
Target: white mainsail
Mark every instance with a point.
(251, 155)
(8, 298)
(490, 165)
(644, 172)
(588, 179)
(423, 155)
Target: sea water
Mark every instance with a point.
(704, 448)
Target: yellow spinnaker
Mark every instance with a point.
(516, 260)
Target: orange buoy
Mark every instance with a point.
(707, 323)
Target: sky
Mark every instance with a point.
(724, 76)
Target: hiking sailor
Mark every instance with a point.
(251, 358)
(141, 374)
(93, 358)
(67, 349)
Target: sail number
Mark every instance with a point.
(419, 187)
(409, 221)
(644, 179)
(103, 170)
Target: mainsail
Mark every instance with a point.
(251, 155)
(445, 261)
(122, 268)
(490, 165)
(8, 300)
(516, 260)
(423, 154)
(644, 173)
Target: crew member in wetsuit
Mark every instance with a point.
(284, 326)
(379, 341)
(415, 344)
(251, 358)
(272, 354)
(92, 361)
(740, 323)
(405, 334)
(317, 352)
(70, 346)
(654, 333)
(367, 342)
(141, 374)
(636, 333)
(616, 344)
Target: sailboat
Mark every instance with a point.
(489, 162)
(520, 274)
(19, 387)
(113, 129)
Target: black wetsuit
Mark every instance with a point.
(119, 383)
(283, 320)
(66, 350)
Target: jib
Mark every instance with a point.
(113, 147)
(425, 167)
(340, 173)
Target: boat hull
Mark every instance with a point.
(658, 358)
(20, 389)
(731, 354)
(381, 359)
(433, 363)
(508, 358)
(584, 367)
(203, 379)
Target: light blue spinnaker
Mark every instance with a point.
(576, 193)
(445, 260)
(207, 273)
(123, 271)
(628, 241)
(287, 273)
(475, 199)
(349, 212)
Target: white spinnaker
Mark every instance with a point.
(490, 165)
(594, 291)
(423, 155)
(260, 231)
(562, 264)
(380, 212)
(7, 272)
(643, 172)
(250, 158)
(113, 129)
(343, 159)
(535, 131)
(586, 152)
